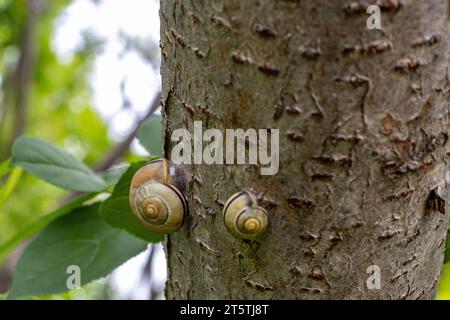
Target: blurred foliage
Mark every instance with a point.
(97, 290)
(53, 95)
(444, 284)
(59, 107)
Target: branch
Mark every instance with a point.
(121, 149)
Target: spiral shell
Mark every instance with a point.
(243, 217)
(155, 196)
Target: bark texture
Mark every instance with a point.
(364, 119)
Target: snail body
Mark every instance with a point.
(156, 196)
(243, 217)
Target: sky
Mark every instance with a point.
(109, 18)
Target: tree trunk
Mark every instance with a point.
(363, 118)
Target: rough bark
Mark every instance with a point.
(363, 145)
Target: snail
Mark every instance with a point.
(156, 196)
(243, 217)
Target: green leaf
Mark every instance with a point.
(39, 224)
(150, 135)
(116, 210)
(5, 168)
(54, 165)
(447, 248)
(80, 239)
(10, 185)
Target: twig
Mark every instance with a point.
(121, 149)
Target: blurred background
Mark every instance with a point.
(83, 74)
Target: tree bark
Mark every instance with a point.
(363, 118)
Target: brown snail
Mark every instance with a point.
(243, 217)
(156, 196)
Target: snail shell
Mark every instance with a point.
(155, 196)
(243, 217)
